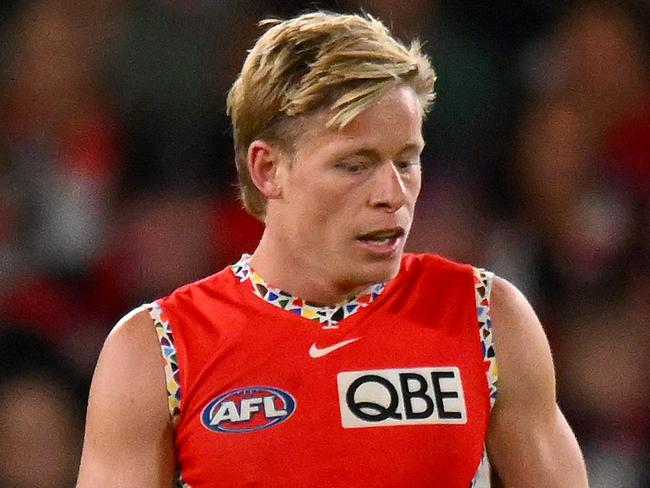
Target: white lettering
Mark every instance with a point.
(411, 396)
(269, 409)
(227, 413)
(249, 406)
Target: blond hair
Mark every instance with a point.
(317, 60)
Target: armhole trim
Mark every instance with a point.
(168, 349)
(483, 286)
(482, 477)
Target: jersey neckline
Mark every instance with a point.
(328, 316)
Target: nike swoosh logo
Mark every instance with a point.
(316, 352)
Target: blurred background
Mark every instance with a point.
(117, 185)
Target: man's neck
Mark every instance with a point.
(298, 276)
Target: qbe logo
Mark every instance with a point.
(410, 396)
(248, 409)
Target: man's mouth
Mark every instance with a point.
(382, 237)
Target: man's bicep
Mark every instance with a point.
(529, 440)
(128, 440)
(530, 452)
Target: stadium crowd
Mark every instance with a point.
(117, 185)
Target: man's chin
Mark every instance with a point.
(382, 271)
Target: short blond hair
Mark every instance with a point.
(317, 60)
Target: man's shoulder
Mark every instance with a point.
(132, 334)
(510, 309)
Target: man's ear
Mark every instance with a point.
(263, 161)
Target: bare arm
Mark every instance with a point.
(128, 440)
(529, 442)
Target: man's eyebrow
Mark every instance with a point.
(366, 153)
(413, 146)
(374, 155)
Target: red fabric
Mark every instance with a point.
(227, 338)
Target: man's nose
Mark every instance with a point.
(388, 191)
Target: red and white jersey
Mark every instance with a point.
(390, 388)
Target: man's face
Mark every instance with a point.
(348, 196)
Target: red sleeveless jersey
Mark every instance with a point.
(387, 389)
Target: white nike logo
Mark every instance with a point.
(316, 352)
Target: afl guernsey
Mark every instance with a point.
(391, 388)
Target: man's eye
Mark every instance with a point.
(352, 167)
(404, 165)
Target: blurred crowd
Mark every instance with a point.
(117, 184)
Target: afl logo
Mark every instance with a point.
(248, 409)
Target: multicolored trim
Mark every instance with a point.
(482, 477)
(179, 483)
(483, 287)
(328, 317)
(166, 339)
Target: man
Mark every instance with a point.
(329, 358)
